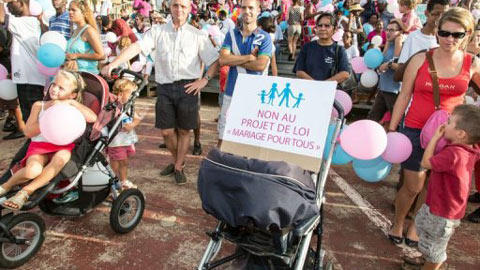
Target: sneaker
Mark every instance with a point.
(14, 135)
(474, 198)
(68, 197)
(197, 149)
(180, 177)
(170, 169)
(162, 145)
(474, 216)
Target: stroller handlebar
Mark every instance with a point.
(339, 108)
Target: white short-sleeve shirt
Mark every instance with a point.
(25, 43)
(179, 54)
(415, 42)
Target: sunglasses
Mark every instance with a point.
(456, 35)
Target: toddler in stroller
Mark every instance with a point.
(268, 210)
(44, 160)
(87, 172)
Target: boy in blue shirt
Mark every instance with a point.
(246, 50)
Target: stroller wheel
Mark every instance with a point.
(25, 226)
(127, 210)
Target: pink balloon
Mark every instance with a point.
(399, 148)
(47, 71)
(397, 14)
(62, 124)
(358, 65)
(3, 72)
(137, 66)
(364, 139)
(338, 35)
(345, 100)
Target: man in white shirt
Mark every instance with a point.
(180, 51)
(422, 39)
(26, 33)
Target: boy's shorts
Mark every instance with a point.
(434, 232)
(120, 152)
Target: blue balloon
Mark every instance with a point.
(361, 163)
(340, 5)
(340, 157)
(375, 173)
(283, 25)
(326, 2)
(51, 55)
(373, 58)
(365, 46)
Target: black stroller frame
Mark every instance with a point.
(296, 258)
(11, 222)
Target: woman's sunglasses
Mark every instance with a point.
(456, 35)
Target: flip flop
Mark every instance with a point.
(18, 199)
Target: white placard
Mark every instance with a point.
(283, 114)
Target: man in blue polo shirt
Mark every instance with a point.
(249, 51)
(60, 22)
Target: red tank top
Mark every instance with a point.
(452, 92)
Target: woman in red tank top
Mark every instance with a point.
(454, 69)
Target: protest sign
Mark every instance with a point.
(274, 118)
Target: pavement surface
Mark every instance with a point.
(172, 232)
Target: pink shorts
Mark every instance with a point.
(120, 152)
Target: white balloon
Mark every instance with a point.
(369, 78)
(8, 90)
(469, 100)
(55, 38)
(35, 8)
(476, 14)
(107, 51)
(377, 41)
(392, 7)
(111, 37)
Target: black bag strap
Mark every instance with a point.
(433, 73)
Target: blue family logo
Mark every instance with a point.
(272, 97)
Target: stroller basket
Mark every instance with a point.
(271, 195)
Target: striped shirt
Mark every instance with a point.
(61, 24)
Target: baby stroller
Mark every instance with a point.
(268, 210)
(88, 172)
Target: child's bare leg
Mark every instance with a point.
(19, 117)
(115, 164)
(32, 169)
(55, 165)
(123, 170)
(431, 266)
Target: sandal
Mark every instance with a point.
(411, 243)
(18, 199)
(397, 240)
(127, 184)
(418, 261)
(3, 191)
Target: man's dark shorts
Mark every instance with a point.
(175, 108)
(413, 162)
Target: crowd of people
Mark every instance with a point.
(194, 41)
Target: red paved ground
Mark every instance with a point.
(171, 235)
